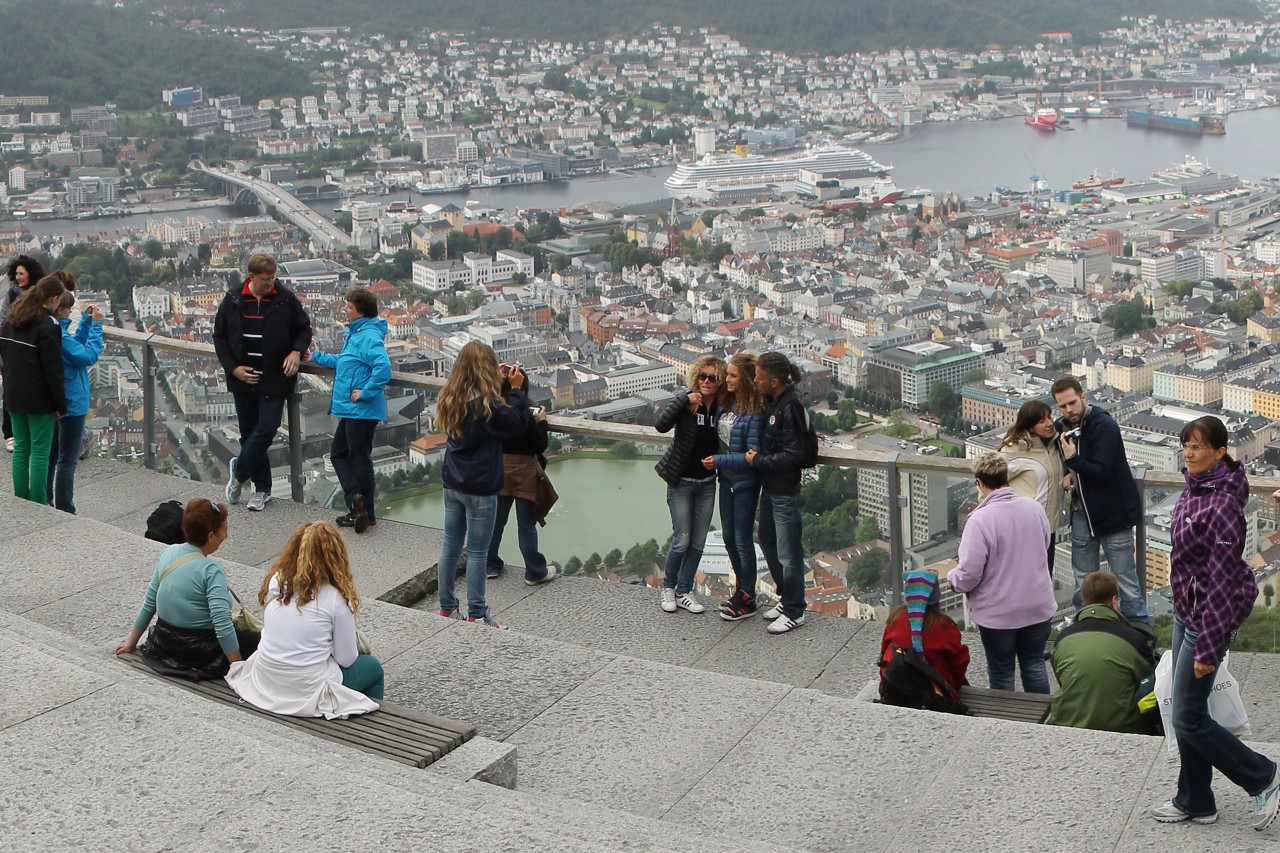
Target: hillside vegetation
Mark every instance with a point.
(811, 25)
(79, 54)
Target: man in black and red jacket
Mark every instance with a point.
(260, 334)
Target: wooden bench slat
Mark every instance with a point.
(402, 734)
(1006, 704)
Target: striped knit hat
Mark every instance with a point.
(919, 590)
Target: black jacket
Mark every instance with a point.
(32, 355)
(473, 460)
(286, 328)
(1108, 494)
(782, 444)
(676, 414)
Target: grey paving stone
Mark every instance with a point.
(21, 517)
(496, 680)
(639, 734)
(617, 618)
(118, 771)
(1157, 782)
(853, 664)
(125, 491)
(795, 658)
(37, 683)
(822, 773)
(392, 630)
(1052, 783)
(1259, 676)
(69, 558)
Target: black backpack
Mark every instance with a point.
(907, 680)
(165, 523)
(809, 459)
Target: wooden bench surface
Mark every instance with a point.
(394, 731)
(1006, 704)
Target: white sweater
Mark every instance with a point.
(308, 635)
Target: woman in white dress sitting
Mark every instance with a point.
(306, 664)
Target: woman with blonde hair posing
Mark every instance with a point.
(307, 664)
(473, 412)
(739, 430)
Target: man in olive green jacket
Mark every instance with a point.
(1099, 662)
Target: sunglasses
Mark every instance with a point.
(709, 377)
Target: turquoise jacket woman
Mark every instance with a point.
(361, 365)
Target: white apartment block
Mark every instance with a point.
(150, 302)
(645, 377)
(474, 269)
(18, 178)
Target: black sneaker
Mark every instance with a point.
(347, 520)
(359, 515)
(738, 608)
(493, 572)
(736, 598)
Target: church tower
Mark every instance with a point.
(675, 240)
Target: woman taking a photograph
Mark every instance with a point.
(80, 351)
(1035, 465)
(307, 664)
(477, 417)
(188, 597)
(739, 431)
(691, 485)
(34, 391)
(361, 371)
(1213, 593)
(1002, 570)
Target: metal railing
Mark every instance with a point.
(893, 464)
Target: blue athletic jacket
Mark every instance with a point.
(362, 364)
(79, 352)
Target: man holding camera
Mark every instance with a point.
(1105, 502)
(260, 334)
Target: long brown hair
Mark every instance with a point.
(932, 614)
(27, 308)
(474, 375)
(315, 555)
(747, 399)
(1031, 413)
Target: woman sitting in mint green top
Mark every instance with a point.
(188, 596)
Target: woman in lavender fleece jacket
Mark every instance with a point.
(1213, 593)
(1004, 571)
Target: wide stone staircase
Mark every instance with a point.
(632, 729)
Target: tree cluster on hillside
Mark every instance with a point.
(815, 26)
(80, 54)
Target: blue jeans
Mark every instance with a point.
(469, 519)
(352, 456)
(259, 419)
(780, 531)
(1203, 744)
(1119, 550)
(68, 434)
(737, 523)
(1026, 646)
(535, 565)
(365, 675)
(691, 504)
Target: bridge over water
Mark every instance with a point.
(325, 236)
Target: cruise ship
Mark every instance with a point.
(717, 173)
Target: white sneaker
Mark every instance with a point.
(232, 492)
(258, 501)
(784, 623)
(552, 574)
(8, 444)
(772, 613)
(688, 602)
(668, 599)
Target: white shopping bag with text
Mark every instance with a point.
(1225, 704)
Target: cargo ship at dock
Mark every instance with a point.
(1194, 125)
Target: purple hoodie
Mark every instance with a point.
(1213, 588)
(1004, 565)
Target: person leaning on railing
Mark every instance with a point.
(308, 663)
(193, 636)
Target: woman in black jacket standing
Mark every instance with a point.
(34, 394)
(23, 272)
(523, 481)
(691, 488)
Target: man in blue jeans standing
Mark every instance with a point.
(1105, 502)
(260, 334)
(779, 462)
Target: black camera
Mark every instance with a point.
(1072, 434)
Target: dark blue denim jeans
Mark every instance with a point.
(535, 565)
(1004, 646)
(467, 519)
(691, 503)
(352, 456)
(1203, 744)
(780, 533)
(68, 436)
(737, 525)
(259, 419)
(1120, 560)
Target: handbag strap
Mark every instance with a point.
(236, 597)
(169, 569)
